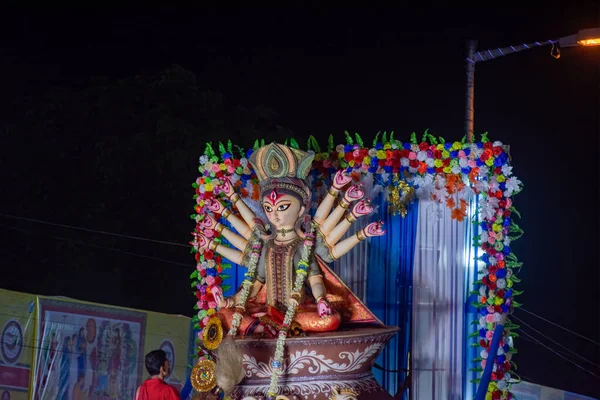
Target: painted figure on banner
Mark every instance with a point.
(324, 301)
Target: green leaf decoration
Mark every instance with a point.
(464, 139)
(474, 292)
(517, 292)
(196, 326)
(441, 140)
(226, 287)
(376, 138)
(425, 135)
(285, 143)
(225, 276)
(392, 140)
(196, 307)
(221, 149)
(413, 138)
(474, 334)
(195, 318)
(193, 216)
(256, 145)
(315, 144)
(262, 143)
(477, 305)
(432, 139)
(194, 284)
(515, 211)
(230, 147)
(515, 279)
(484, 138)
(209, 151)
(348, 138)
(294, 144)
(330, 144)
(475, 381)
(359, 140)
(474, 345)
(195, 185)
(384, 139)
(194, 274)
(225, 266)
(240, 150)
(513, 264)
(516, 304)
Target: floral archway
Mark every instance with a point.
(450, 174)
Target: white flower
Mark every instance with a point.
(482, 290)
(419, 181)
(509, 273)
(495, 367)
(513, 185)
(494, 185)
(385, 176)
(483, 354)
(234, 178)
(430, 162)
(483, 171)
(507, 376)
(482, 186)
(489, 206)
(500, 350)
(497, 143)
(203, 159)
(493, 261)
(507, 241)
(463, 162)
(497, 317)
(501, 283)
(202, 188)
(412, 170)
(211, 263)
(394, 146)
(421, 156)
(456, 169)
(372, 152)
(507, 170)
(477, 152)
(244, 162)
(404, 162)
(339, 148)
(502, 385)
(414, 147)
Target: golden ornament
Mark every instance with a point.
(203, 376)
(401, 193)
(212, 334)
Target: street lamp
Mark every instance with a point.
(585, 37)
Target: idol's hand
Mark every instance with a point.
(208, 222)
(374, 229)
(341, 179)
(362, 208)
(353, 194)
(324, 308)
(217, 293)
(202, 242)
(226, 187)
(215, 206)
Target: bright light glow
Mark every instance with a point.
(589, 37)
(589, 42)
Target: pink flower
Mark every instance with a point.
(490, 309)
(412, 155)
(230, 169)
(212, 304)
(483, 362)
(209, 233)
(205, 321)
(472, 164)
(461, 154)
(227, 161)
(216, 167)
(199, 304)
(489, 334)
(488, 318)
(210, 280)
(491, 240)
(199, 199)
(499, 256)
(327, 163)
(508, 203)
(199, 267)
(200, 335)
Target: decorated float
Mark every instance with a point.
(329, 249)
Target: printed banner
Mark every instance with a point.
(91, 351)
(17, 331)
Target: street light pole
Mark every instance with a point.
(586, 38)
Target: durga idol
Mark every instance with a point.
(286, 201)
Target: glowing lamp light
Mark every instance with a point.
(589, 37)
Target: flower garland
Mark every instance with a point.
(246, 284)
(447, 173)
(301, 274)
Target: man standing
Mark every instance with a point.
(155, 388)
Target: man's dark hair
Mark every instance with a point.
(154, 360)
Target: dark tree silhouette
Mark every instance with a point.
(119, 157)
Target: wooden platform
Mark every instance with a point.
(315, 364)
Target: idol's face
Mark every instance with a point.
(282, 210)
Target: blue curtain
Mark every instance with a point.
(389, 289)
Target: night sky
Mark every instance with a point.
(86, 143)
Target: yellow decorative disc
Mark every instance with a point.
(213, 333)
(203, 376)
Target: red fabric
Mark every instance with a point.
(157, 389)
